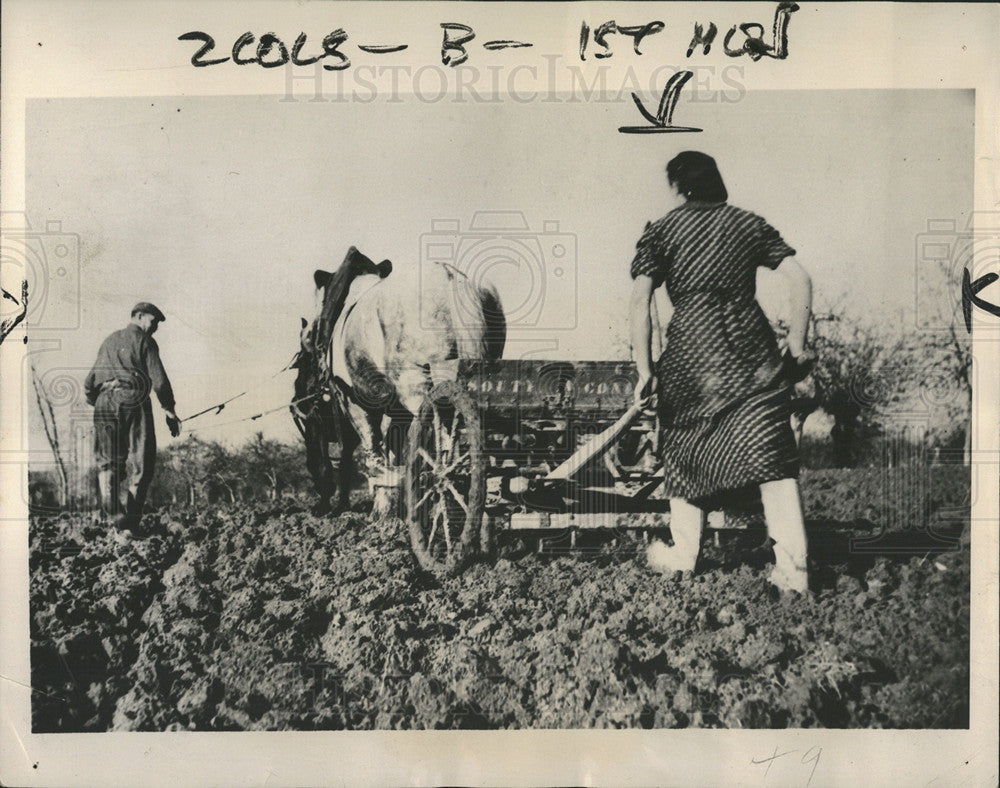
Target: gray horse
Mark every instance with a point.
(398, 336)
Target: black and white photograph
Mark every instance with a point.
(595, 371)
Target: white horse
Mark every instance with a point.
(395, 339)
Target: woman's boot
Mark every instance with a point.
(685, 528)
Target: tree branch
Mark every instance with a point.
(10, 323)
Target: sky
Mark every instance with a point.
(218, 209)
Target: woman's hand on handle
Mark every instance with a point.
(806, 358)
(645, 391)
(797, 368)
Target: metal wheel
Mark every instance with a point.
(445, 480)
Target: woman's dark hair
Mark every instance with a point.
(697, 177)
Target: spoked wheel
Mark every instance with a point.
(445, 480)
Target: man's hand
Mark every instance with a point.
(173, 424)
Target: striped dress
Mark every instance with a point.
(724, 406)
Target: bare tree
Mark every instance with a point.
(267, 459)
(189, 460)
(226, 468)
(275, 466)
(51, 433)
(857, 375)
(943, 348)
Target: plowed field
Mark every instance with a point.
(268, 618)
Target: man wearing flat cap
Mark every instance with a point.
(127, 370)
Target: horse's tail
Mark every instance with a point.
(477, 317)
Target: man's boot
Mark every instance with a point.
(131, 514)
(107, 484)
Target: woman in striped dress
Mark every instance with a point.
(722, 394)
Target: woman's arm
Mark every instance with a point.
(800, 287)
(641, 329)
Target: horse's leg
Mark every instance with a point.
(367, 433)
(385, 482)
(412, 387)
(318, 463)
(398, 434)
(350, 440)
(360, 423)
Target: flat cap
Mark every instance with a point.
(149, 309)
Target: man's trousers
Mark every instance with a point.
(125, 446)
